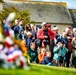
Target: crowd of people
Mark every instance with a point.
(38, 45)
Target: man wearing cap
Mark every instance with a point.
(3, 24)
(45, 35)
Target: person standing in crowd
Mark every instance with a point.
(3, 23)
(32, 52)
(37, 28)
(69, 37)
(33, 29)
(29, 29)
(52, 42)
(55, 29)
(38, 42)
(74, 49)
(16, 23)
(21, 35)
(28, 39)
(19, 27)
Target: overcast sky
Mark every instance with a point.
(70, 3)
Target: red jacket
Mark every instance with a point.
(69, 42)
(40, 34)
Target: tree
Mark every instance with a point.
(24, 14)
(1, 1)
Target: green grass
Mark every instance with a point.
(39, 70)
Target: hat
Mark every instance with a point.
(48, 25)
(55, 28)
(44, 23)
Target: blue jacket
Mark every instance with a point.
(46, 60)
(59, 52)
(17, 29)
(65, 40)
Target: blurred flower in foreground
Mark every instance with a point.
(11, 54)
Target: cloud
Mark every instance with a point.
(72, 4)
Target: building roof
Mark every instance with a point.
(52, 13)
(74, 12)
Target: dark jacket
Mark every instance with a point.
(13, 27)
(17, 29)
(64, 40)
(47, 60)
(33, 55)
(21, 36)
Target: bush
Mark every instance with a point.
(24, 14)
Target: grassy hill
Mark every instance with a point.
(39, 70)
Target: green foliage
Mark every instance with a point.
(1, 1)
(24, 14)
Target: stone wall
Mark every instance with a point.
(61, 27)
